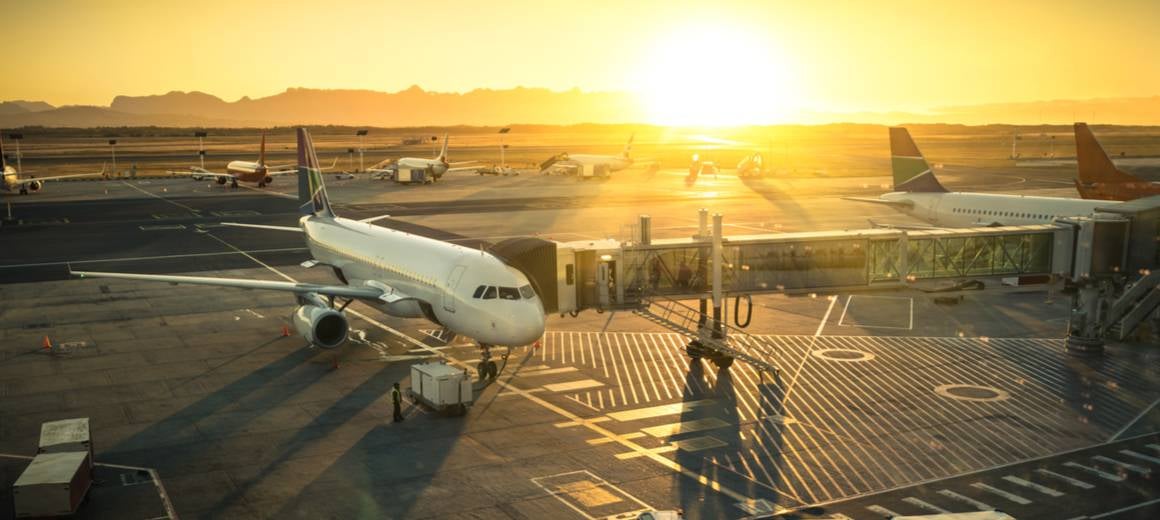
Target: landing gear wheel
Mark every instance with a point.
(261, 184)
(482, 370)
(723, 362)
(24, 191)
(695, 350)
(234, 184)
(492, 369)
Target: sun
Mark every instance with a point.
(716, 75)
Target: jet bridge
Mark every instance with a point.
(1107, 258)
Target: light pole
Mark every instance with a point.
(113, 149)
(361, 134)
(502, 131)
(351, 152)
(200, 147)
(17, 138)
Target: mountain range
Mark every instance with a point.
(417, 107)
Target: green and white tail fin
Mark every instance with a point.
(911, 171)
(312, 198)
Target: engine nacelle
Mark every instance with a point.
(221, 180)
(321, 326)
(268, 179)
(34, 185)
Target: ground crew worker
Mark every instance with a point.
(396, 400)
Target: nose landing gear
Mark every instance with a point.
(487, 368)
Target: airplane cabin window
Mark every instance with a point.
(489, 294)
(509, 293)
(527, 292)
(479, 291)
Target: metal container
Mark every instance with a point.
(53, 484)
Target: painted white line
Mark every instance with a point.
(546, 371)
(1075, 482)
(925, 505)
(162, 227)
(1094, 471)
(994, 490)
(1140, 456)
(882, 511)
(981, 506)
(1028, 484)
(1154, 446)
(1123, 509)
(1130, 467)
(826, 317)
(1133, 421)
(251, 311)
(160, 257)
(573, 385)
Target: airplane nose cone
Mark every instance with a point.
(529, 326)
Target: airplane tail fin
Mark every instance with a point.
(1094, 165)
(443, 151)
(628, 146)
(911, 171)
(312, 197)
(262, 150)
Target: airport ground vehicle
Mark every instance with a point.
(414, 176)
(441, 387)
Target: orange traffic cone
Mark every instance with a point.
(536, 345)
(46, 344)
(285, 331)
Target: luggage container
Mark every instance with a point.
(412, 176)
(54, 484)
(441, 387)
(66, 435)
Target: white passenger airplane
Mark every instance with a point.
(609, 163)
(919, 194)
(467, 291)
(13, 182)
(258, 173)
(435, 167)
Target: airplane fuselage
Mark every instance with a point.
(985, 209)
(247, 171)
(441, 281)
(435, 166)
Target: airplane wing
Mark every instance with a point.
(261, 226)
(893, 203)
(367, 293)
(59, 177)
(200, 173)
(276, 173)
(464, 169)
(911, 227)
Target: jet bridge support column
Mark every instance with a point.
(717, 296)
(1084, 334)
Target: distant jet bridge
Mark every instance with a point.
(1108, 259)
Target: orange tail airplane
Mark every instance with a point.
(1098, 177)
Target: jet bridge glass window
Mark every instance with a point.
(479, 291)
(509, 293)
(489, 294)
(527, 292)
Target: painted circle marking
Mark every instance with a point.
(972, 393)
(842, 354)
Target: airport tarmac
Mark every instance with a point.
(879, 391)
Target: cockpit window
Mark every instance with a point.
(527, 292)
(489, 294)
(479, 291)
(509, 293)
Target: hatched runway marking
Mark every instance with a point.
(1031, 485)
(981, 506)
(999, 492)
(1073, 481)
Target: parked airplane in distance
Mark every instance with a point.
(245, 171)
(434, 168)
(467, 291)
(1098, 178)
(597, 165)
(918, 193)
(12, 180)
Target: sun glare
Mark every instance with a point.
(716, 76)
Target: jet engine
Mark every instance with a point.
(268, 179)
(321, 326)
(221, 180)
(34, 185)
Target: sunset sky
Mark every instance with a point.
(689, 61)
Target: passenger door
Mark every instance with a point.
(452, 283)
